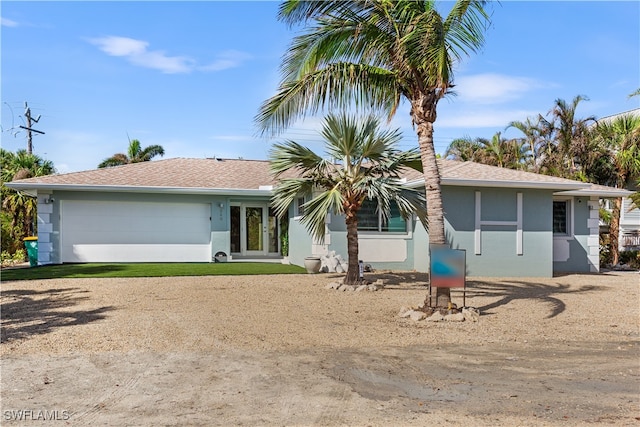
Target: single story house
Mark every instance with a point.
(510, 223)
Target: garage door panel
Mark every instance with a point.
(138, 253)
(135, 231)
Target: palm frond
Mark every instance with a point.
(338, 86)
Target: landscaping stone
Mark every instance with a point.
(417, 315)
(454, 317)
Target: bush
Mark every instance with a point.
(630, 258)
(11, 259)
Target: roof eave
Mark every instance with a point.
(561, 186)
(614, 193)
(140, 189)
(512, 184)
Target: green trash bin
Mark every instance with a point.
(31, 244)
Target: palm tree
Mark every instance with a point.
(571, 134)
(498, 151)
(375, 54)
(463, 149)
(135, 154)
(361, 163)
(537, 136)
(621, 138)
(21, 207)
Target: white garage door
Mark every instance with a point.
(135, 232)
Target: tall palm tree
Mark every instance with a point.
(361, 163)
(21, 207)
(135, 154)
(571, 134)
(375, 54)
(537, 136)
(621, 138)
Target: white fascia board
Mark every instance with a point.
(513, 184)
(139, 189)
(562, 186)
(612, 193)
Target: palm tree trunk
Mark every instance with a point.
(423, 114)
(614, 231)
(353, 272)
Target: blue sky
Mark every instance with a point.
(190, 76)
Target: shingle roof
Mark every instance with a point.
(171, 173)
(236, 174)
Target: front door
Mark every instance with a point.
(253, 230)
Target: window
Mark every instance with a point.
(369, 219)
(300, 207)
(561, 212)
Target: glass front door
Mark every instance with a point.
(254, 230)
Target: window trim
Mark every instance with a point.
(570, 219)
(370, 234)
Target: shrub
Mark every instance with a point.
(630, 258)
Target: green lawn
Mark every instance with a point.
(147, 270)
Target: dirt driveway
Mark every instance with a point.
(283, 350)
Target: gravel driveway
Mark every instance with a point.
(283, 350)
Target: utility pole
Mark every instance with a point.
(27, 113)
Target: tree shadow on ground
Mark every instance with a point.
(509, 291)
(506, 291)
(28, 312)
(415, 279)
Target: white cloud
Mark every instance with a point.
(8, 22)
(493, 88)
(226, 60)
(137, 52)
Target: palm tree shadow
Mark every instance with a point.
(27, 313)
(509, 291)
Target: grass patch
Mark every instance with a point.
(64, 271)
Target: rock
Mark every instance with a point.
(471, 314)
(454, 317)
(342, 288)
(372, 288)
(417, 315)
(332, 285)
(381, 282)
(435, 317)
(361, 288)
(404, 311)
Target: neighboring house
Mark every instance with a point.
(510, 223)
(629, 235)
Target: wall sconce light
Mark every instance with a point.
(221, 205)
(49, 200)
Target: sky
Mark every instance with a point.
(191, 76)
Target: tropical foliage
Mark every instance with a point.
(605, 152)
(135, 154)
(620, 140)
(18, 208)
(360, 163)
(498, 151)
(376, 54)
